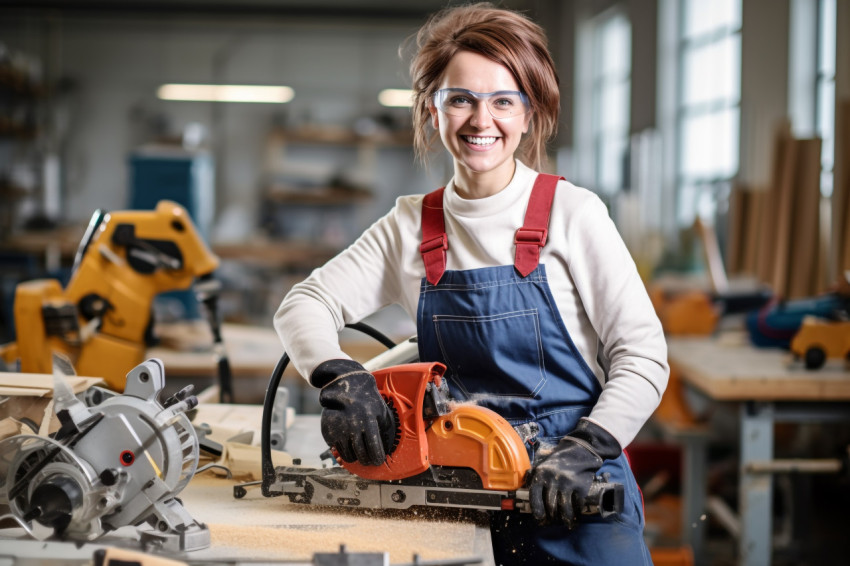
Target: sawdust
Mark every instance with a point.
(273, 528)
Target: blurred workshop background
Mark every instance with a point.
(716, 131)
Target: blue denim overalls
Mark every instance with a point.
(501, 337)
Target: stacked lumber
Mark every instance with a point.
(841, 194)
(776, 231)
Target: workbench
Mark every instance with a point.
(258, 528)
(253, 352)
(272, 530)
(768, 387)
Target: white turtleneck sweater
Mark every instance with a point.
(591, 274)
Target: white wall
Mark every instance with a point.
(116, 66)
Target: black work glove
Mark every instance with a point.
(355, 418)
(561, 482)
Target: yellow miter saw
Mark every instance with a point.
(102, 321)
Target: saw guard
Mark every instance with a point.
(403, 388)
(475, 437)
(469, 436)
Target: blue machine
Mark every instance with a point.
(775, 324)
(186, 178)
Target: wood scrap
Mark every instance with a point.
(40, 384)
(12, 427)
(245, 462)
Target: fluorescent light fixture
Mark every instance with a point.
(396, 97)
(225, 93)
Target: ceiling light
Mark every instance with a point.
(396, 97)
(225, 93)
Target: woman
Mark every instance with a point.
(519, 284)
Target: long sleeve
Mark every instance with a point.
(618, 308)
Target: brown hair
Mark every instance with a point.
(504, 36)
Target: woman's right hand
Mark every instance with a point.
(356, 420)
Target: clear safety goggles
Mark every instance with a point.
(462, 103)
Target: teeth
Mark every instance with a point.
(480, 140)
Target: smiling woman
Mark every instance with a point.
(519, 284)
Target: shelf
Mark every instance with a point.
(17, 83)
(317, 195)
(328, 135)
(276, 254)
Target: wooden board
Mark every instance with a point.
(769, 213)
(756, 213)
(733, 370)
(40, 384)
(738, 212)
(804, 250)
(841, 198)
(783, 235)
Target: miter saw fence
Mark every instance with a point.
(448, 454)
(114, 464)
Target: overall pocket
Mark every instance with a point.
(497, 355)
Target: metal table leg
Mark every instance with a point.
(755, 495)
(694, 469)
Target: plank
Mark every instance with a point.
(804, 245)
(40, 384)
(784, 216)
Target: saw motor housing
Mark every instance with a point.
(433, 432)
(102, 320)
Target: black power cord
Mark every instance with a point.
(267, 465)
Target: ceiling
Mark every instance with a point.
(354, 11)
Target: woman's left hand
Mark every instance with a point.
(561, 482)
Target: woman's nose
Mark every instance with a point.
(481, 117)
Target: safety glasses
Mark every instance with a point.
(462, 103)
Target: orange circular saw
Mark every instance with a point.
(444, 454)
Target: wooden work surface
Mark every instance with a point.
(252, 350)
(257, 527)
(271, 530)
(730, 369)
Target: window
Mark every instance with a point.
(602, 125)
(825, 91)
(708, 109)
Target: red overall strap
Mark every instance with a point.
(532, 236)
(434, 241)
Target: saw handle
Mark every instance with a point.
(604, 498)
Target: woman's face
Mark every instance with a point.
(482, 146)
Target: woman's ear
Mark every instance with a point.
(434, 116)
(527, 123)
